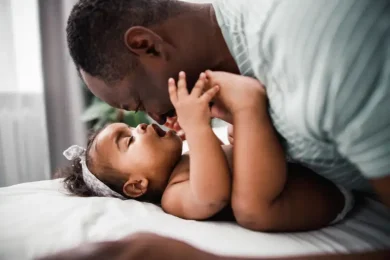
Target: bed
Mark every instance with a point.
(38, 218)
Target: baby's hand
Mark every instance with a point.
(237, 93)
(192, 109)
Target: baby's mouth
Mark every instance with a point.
(158, 130)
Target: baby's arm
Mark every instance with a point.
(207, 189)
(260, 171)
(307, 202)
(265, 198)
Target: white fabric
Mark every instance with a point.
(36, 219)
(326, 68)
(220, 132)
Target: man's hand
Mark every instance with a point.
(192, 109)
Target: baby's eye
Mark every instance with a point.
(130, 140)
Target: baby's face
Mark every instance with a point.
(146, 150)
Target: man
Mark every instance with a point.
(325, 65)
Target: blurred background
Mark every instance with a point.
(44, 106)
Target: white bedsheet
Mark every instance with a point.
(38, 218)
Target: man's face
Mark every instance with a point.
(134, 92)
(142, 90)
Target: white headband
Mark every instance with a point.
(93, 183)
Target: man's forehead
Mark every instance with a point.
(91, 80)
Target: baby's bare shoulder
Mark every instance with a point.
(181, 171)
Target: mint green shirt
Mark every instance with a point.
(326, 68)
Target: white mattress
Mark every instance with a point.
(38, 218)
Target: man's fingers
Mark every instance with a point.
(182, 86)
(210, 94)
(199, 86)
(172, 91)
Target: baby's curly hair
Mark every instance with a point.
(74, 182)
(73, 174)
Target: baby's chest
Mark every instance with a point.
(182, 169)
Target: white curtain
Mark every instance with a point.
(64, 98)
(23, 134)
(41, 97)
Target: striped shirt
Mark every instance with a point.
(326, 68)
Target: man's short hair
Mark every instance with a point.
(96, 29)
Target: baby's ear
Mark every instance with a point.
(135, 187)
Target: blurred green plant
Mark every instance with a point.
(98, 114)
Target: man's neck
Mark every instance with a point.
(226, 61)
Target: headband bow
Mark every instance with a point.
(93, 183)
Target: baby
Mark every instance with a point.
(263, 191)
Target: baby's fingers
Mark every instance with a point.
(182, 85)
(210, 94)
(199, 86)
(213, 78)
(172, 91)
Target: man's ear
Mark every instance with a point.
(142, 41)
(135, 187)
